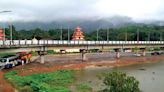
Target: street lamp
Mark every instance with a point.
(68, 33)
(61, 33)
(138, 35)
(97, 34)
(107, 34)
(126, 36)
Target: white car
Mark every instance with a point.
(8, 61)
(136, 54)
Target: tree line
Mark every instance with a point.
(129, 33)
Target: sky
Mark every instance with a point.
(51, 10)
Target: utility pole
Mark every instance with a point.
(148, 36)
(138, 35)
(68, 34)
(4, 34)
(126, 36)
(161, 36)
(97, 34)
(61, 33)
(11, 32)
(108, 34)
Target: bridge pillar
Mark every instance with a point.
(83, 52)
(42, 53)
(42, 59)
(117, 53)
(143, 53)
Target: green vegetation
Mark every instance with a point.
(51, 52)
(5, 54)
(120, 82)
(153, 49)
(48, 82)
(135, 49)
(34, 53)
(157, 49)
(83, 87)
(93, 50)
(146, 33)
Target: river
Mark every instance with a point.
(150, 76)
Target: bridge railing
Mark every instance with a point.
(58, 42)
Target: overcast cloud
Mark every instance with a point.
(50, 10)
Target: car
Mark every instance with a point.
(157, 53)
(137, 55)
(9, 61)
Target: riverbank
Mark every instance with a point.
(35, 67)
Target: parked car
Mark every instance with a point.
(137, 54)
(9, 61)
(157, 53)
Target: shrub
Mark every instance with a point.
(50, 52)
(34, 53)
(157, 49)
(120, 82)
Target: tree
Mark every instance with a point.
(120, 82)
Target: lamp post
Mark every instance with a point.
(126, 36)
(107, 34)
(148, 36)
(97, 34)
(138, 35)
(161, 36)
(61, 33)
(68, 34)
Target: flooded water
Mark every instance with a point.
(150, 76)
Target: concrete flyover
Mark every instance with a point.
(79, 44)
(37, 45)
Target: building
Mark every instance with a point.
(2, 35)
(78, 35)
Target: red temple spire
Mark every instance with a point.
(1, 34)
(78, 35)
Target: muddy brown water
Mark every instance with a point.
(150, 76)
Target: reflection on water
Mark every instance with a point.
(150, 75)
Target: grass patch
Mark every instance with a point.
(6, 54)
(51, 52)
(49, 82)
(83, 87)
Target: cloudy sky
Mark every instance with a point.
(50, 10)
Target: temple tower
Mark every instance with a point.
(78, 35)
(1, 34)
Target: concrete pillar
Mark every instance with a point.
(42, 59)
(117, 54)
(84, 58)
(83, 53)
(22, 62)
(143, 52)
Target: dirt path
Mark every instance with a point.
(4, 85)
